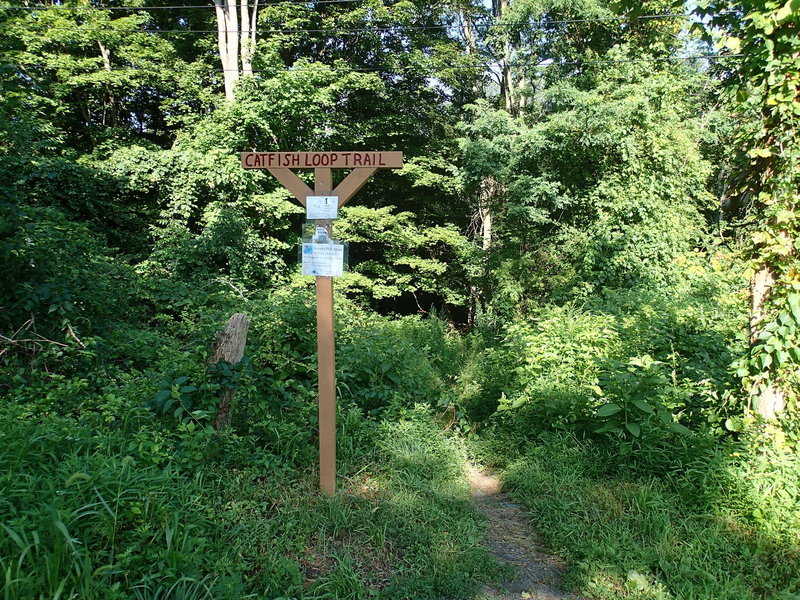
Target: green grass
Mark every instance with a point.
(82, 518)
(642, 537)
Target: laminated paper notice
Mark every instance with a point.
(323, 260)
(322, 207)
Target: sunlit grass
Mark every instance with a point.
(81, 520)
(640, 537)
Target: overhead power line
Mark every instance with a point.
(329, 68)
(175, 7)
(385, 29)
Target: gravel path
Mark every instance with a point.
(512, 539)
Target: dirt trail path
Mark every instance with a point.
(511, 538)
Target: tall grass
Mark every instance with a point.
(78, 521)
(83, 519)
(634, 536)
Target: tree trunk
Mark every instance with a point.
(228, 43)
(507, 86)
(247, 39)
(770, 403)
(105, 53)
(521, 99)
(485, 210)
(470, 39)
(760, 287)
(229, 346)
(489, 194)
(507, 82)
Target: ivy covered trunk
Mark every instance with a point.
(768, 398)
(767, 87)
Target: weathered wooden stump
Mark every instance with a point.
(229, 346)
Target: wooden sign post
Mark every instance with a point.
(364, 165)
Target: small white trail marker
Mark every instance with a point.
(322, 207)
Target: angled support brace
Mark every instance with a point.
(292, 182)
(354, 181)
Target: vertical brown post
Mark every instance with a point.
(326, 357)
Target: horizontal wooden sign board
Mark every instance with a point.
(316, 160)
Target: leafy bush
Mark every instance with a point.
(380, 369)
(395, 256)
(61, 282)
(635, 367)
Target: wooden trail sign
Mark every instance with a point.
(364, 165)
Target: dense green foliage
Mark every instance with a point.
(555, 284)
(107, 496)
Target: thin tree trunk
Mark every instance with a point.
(228, 43)
(506, 76)
(247, 38)
(760, 288)
(253, 23)
(521, 97)
(105, 53)
(486, 219)
(470, 38)
(507, 87)
(233, 39)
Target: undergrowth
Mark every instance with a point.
(82, 519)
(108, 491)
(646, 537)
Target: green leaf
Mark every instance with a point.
(163, 395)
(734, 44)
(188, 389)
(732, 425)
(608, 409)
(786, 10)
(634, 428)
(75, 477)
(518, 402)
(637, 580)
(794, 305)
(759, 152)
(678, 428)
(63, 529)
(14, 536)
(643, 406)
(607, 428)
